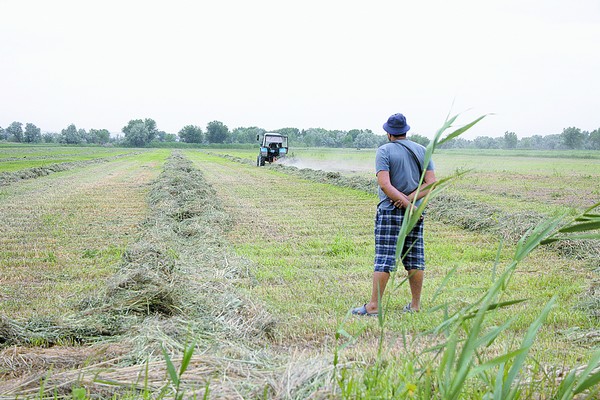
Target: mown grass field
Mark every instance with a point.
(299, 250)
(63, 235)
(313, 246)
(520, 179)
(15, 157)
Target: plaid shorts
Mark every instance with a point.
(387, 228)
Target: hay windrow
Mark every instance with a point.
(179, 266)
(7, 178)
(175, 284)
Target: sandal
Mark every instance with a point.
(408, 309)
(362, 310)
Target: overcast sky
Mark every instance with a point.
(327, 63)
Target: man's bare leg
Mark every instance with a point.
(415, 278)
(380, 280)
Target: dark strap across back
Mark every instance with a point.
(414, 156)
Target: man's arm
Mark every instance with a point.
(428, 180)
(399, 199)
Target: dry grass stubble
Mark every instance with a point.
(177, 284)
(59, 232)
(61, 236)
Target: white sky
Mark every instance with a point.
(330, 64)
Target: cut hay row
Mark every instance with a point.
(176, 284)
(218, 377)
(457, 210)
(7, 178)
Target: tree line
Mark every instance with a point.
(569, 138)
(144, 132)
(70, 135)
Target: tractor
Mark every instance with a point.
(272, 147)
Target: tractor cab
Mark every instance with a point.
(272, 146)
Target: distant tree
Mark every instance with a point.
(191, 134)
(130, 125)
(294, 135)
(50, 137)
(422, 140)
(348, 140)
(32, 134)
(137, 134)
(161, 135)
(457, 143)
(486, 142)
(312, 137)
(91, 136)
(134, 133)
(594, 139)
(338, 138)
(535, 142)
(84, 136)
(70, 135)
(510, 140)
(216, 132)
(552, 142)
(353, 133)
(103, 136)
(539, 142)
(97, 136)
(151, 126)
(525, 143)
(117, 139)
(14, 132)
(289, 132)
(572, 138)
(170, 137)
(366, 139)
(246, 135)
(586, 140)
(2, 134)
(325, 138)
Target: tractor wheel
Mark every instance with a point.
(260, 161)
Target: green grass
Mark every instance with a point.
(310, 252)
(17, 158)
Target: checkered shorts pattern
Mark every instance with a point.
(387, 228)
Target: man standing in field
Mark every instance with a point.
(398, 167)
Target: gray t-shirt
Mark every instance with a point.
(404, 172)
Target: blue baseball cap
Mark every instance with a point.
(396, 125)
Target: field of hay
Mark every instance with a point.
(123, 260)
